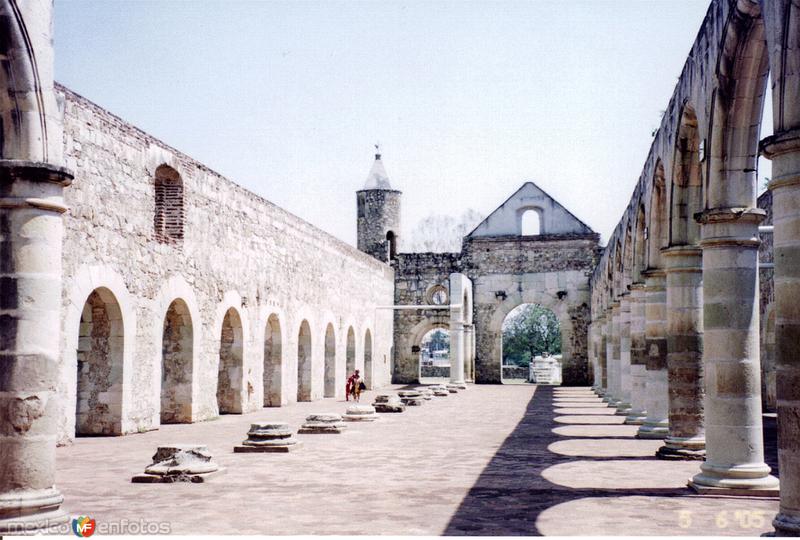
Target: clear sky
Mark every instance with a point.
(468, 99)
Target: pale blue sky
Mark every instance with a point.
(468, 99)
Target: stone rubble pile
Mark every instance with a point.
(388, 403)
(180, 463)
(360, 413)
(411, 398)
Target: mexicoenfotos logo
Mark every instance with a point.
(83, 526)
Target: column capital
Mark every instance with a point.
(33, 171)
(780, 143)
(654, 273)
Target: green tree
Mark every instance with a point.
(528, 331)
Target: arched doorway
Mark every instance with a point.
(177, 356)
(304, 362)
(350, 366)
(368, 378)
(273, 363)
(531, 334)
(330, 362)
(434, 356)
(230, 375)
(98, 409)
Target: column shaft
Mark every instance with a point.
(656, 425)
(624, 407)
(638, 356)
(456, 352)
(686, 438)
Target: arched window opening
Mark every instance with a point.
(368, 379)
(273, 364)
(434, 356)
(391, 245)
(330, 362)
(176, 365)
(230, 374)
(530, 223)
(169, 214)
(304, 363)
(531, 346)
(98, 409)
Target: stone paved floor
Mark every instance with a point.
(510, 460)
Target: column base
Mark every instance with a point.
(785, 525)
(653, 430)
(677, 448)
(636, 418)
(749, 480)
(31, 511)
(623, 409)
(461, 385)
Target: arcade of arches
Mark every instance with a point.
(121, 314)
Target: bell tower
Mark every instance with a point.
(378, 214)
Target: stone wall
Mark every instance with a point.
(550, 270)
(417, 276)
(239, 255)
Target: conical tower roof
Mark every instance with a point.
(377, 178)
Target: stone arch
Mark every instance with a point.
(560, 308)
(369, 378)
(737, 107)
(272, 374)
(177, 366)
(330, 361)
(639, 245)
(175, 289)
(101, 344)
(657, 228)
(686, 186)
(350, 352)
(304, 362)
(86, 280)
(169, 213)
(627, 254)
(230, 369)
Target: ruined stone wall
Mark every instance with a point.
(238, 252)
(552, 271)
(416, 276)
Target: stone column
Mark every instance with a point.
(456, 352)
(31, 229)
(784, 151)
(686, 439)
(591, 332)
(612, 356)
(734, 433)
(602, 363)
(656, 425)
(469, 342)
(624, 407)
(638, 356)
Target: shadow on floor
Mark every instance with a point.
(512, 492)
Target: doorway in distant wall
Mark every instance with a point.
(176, 365)
(434, 356)
(531, 345)
(230, 371)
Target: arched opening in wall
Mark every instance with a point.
(330, 362)
(304, 362)
(230, 371)
(273, 363)
(168, 219)
(391, 245)
(530, 223)
(350, 360)
(531, 346)
(639, 255)
(98, 408)
(766, 129)
(176, 364)
(434, 356)
(687, 183)
(368, 376)
(657, 229)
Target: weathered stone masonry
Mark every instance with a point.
(148, 226)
